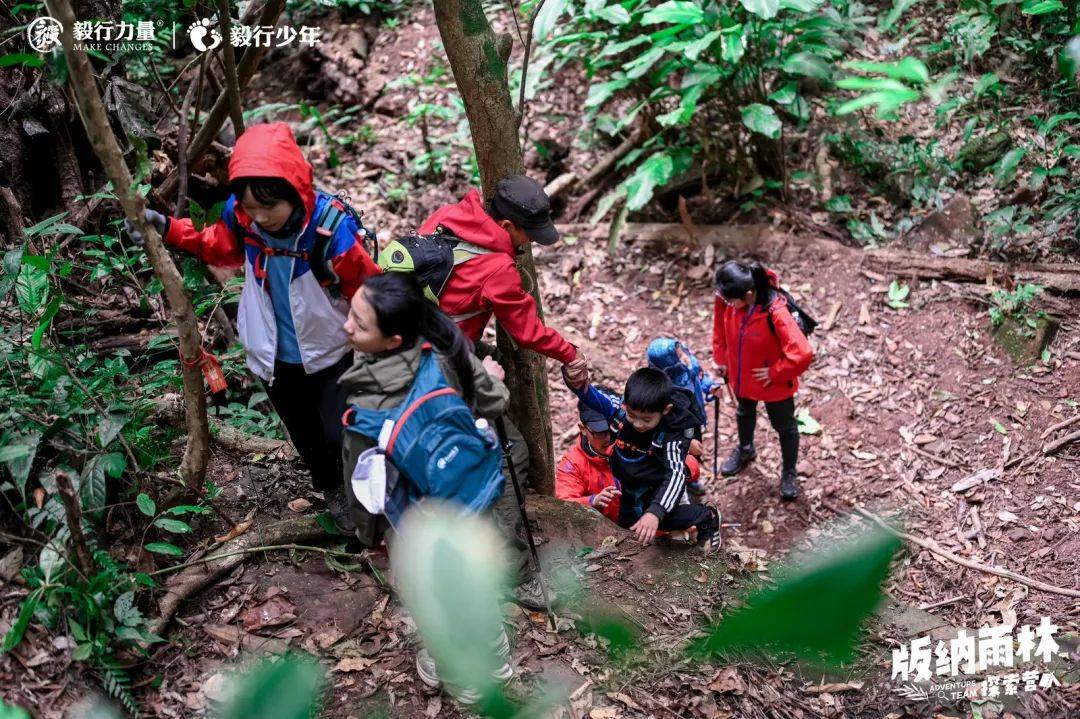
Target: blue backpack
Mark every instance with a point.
(434, 446)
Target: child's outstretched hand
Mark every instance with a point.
(604, 496)
(154, 219)
(761, 374)
(645, 528)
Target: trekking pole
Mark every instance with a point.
(500, 427)
(716, 438)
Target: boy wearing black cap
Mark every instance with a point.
(488, 283)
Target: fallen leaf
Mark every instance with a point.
(859, 454)
(299, 505)
(925, 439)
(226, 634)
(234, 532)
(353, 664)
(604, 713)
(1007, 516)
(328, 637)
(273, 612)
(980, 477)
(864, 315)
(726, 681)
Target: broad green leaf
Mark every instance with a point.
(45, 227)
(181, 509)
(606, 203)
(886, 101)
(899, 8)
(548, 18)
(165, 548)
(290, 688)
(114, 463)
(1041, 7)
(785, 94)
(614, 14)
(172, 525)
(685, 111)
(653, 173)
(146, 505)
(762, 119)
(45, 322)
(809, 65)
(616, 47)
(31, 287)
(639, 66)
(109, 427)
(25, 59)
(18, 454)
(18, 629)
(125, 611)
(765, 9)
(815, 610)
(1007, 166)
(910, 69)
(696, 47)
(871, 83)
(805, 6)
(674, 12)
(602, 92)
(92, 488)
(733, 44)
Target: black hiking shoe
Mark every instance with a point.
(738, 459)
(337, 504)
(789, 485)
(709, 538)
(530, 595)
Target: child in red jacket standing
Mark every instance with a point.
(761, 352)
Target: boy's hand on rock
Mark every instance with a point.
(494, 368)
(155, 219)
(604, 497)
(696, 449)
(645, 528)
(761, 374)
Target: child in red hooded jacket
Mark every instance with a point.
(761, 352)
(296, 290)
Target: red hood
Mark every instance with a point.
(469, 221)
(774, 279)
(271, 151)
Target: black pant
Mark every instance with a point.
(781, 417)
(311, 406)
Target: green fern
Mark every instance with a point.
(117, 684)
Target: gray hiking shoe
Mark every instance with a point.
(429, 672)
(530, 595)
(337, 504)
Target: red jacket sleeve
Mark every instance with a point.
(515, 310)
(570, 484)
(353, 267)
(719, 342)
(216, 245)
(795, 350)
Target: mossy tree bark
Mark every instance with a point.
(478, 58)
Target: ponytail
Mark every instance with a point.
(401, 309)
(762, 288)
(445, 336)
(734, 279)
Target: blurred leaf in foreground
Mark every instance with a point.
(290, 688)
(815, 610)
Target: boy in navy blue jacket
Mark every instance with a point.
(653, 425)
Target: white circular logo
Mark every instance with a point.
(43, 33)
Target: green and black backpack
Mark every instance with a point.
(430, 258)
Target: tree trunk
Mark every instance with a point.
(92, 111)
(478, 60)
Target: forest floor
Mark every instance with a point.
(909, 402)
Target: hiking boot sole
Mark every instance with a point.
(741, 467)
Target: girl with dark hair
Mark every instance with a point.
(760, 351)
(389, 323)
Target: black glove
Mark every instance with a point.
(155, 219)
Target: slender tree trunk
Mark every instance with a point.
(478, 60)
(102, 139)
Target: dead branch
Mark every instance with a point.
(232, 84)
(169, 409)
(1060, 277)
(569, 180)
(209, 128)
(232, 554)
(932, 546)
(525, 62)
(70, 500)
(1060, 425)
(1059, 443)
(103, 141)
(15, 235)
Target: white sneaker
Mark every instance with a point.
(429, 672)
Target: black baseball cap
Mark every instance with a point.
(593, 420)
(522, 200)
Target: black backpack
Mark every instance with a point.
(805, 322)
(429, 258)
